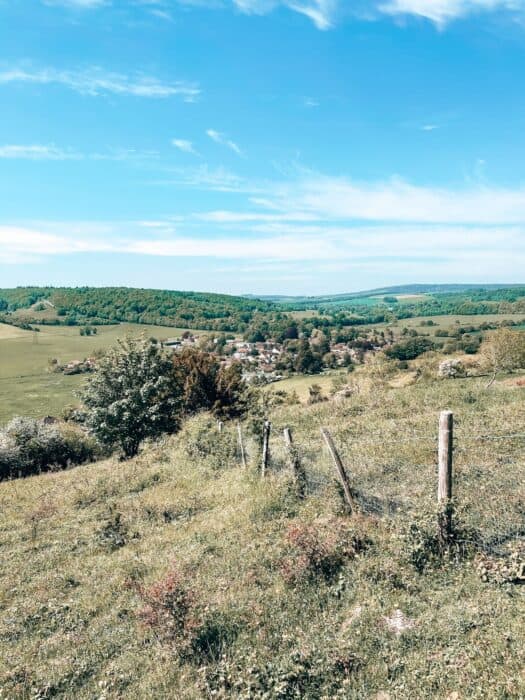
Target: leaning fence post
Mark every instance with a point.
(298, 471)
(266, 446)
(241, 445)
(340, 469)
(446, 436)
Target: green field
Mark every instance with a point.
(446, 322)
(301, 383)
(28, 388)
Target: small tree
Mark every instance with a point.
(133, 395)
(503, 351)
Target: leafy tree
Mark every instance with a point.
(208, 386)
(232, 394)
(503, 351)
(134, 394)
(197, 372)
(306, 361)
(409, 349)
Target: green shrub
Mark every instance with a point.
(422, 538)
(29, 446)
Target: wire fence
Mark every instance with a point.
(396, 471)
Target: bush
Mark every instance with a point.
(320, 549)
(29, 446)
(134, 394)
(170, 610)
(206, 447)
(410, 349)
(451, 369)
(422, 541)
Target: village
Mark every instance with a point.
(262, 360)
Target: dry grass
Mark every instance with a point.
(71, 543)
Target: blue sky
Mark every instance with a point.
(263, 146)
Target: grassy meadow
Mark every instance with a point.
(28, 388)
(283, 597)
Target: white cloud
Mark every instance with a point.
(52, 152)
(36, 152)
(442, 12)
(398, 200)
(429, 127)
(184, 145)
(224, 141)
(77, 4)
(95, 81)
(423, 246)
(324, 13)
(320, 12)
(390, 231)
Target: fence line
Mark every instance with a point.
(497, 514)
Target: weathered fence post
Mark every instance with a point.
(350, 501)
(220, 426)
(266, 447)
(446, 437)
(241, 445)
(295, 463)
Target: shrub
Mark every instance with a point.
(506, 569)
(315, 394)
(171, 610)
(134, 394)
(29, 446)
(205, 446)
(320, 549)
(208, 386)
(425, 547)
(410, 349)
(451, 369)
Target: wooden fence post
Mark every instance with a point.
(446, 430)
(241, 445)
(350, 501)
(295, 462)
(446, 436)
(266, 447)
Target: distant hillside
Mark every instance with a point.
(406, 289)
(70, 306)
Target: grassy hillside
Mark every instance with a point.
(284, 598)
(28, 388)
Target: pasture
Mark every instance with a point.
(301, 383)
(26, 385)
(445, 322)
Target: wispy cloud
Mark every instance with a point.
(441, 12)
(224, 141)
(77, 4)
(206, 178)
(324, 14)
(52, 152)
(37, 152)
(393, 229)
(320, 12)
(184, 145)
(398, 200)
(429, 127)
(96, 81)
